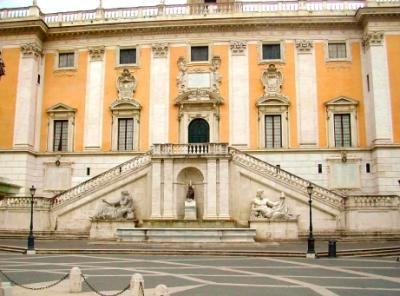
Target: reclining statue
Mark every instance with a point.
(262, 207)
(122, 209)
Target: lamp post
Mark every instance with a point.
(310, 240)
(31, 238)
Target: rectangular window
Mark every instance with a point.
(66, 60)
(127, 56)
(199, 53)
(342, 130)
(271, 51)
(273, 131)
(60, 139)
(337, 50)
(125, 134)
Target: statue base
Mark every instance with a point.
(107, 229)
(275, 229)
(190, 210)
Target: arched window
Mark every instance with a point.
(199, 131)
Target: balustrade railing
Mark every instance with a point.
(265, 168)
(190, 149)
(372, 201)
(25, 202)
(111, 174)
(198, 9)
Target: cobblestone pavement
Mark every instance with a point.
(198, 275)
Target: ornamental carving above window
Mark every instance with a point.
(126, 85)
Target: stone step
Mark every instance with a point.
(173, 223)
(186, 234)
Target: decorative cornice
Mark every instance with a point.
(31, 50)
(160, 50)
(373, 39)
(304, 46)
(238, 47)
(96, 53)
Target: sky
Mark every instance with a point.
(71, 5)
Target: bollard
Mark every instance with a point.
(75, 280)
(5, 289)
(332, 249)
(137, 285)
(161, 290)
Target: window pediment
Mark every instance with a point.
(199, 96)
(125, 105)
(273, 100)
(341, 101)
(60, 108)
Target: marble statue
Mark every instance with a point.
(262, 207)
(121, 209)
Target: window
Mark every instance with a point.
(337, 50)
(342, 130)
(271, 51)
(66, 60)
(127, 56)
(199, 53)
(60, 138)
(125, 134)
(273, 131)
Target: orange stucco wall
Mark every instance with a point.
(142, 94)
(8, 94)
(336, 79)
(393, 53)
(67, 87)
(256, 90)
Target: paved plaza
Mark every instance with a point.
(201, 275)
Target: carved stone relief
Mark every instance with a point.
(96, 53)
(31, 50)
(238, 47)
(304, 46)
(272, 80)
(160, 50)
(126, 85)
(373, 39)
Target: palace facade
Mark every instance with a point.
(232, 96)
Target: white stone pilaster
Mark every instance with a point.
(306, 90)
(159, 94)
(379, 94)
(168, 189)
(239, 94)
(224, 189)
(94, 100)
(26, 101)
(211, 192)
(156, 189)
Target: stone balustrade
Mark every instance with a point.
(372, 201)
(190, 149)
(39, 203)
(239, 9)
(264, 168)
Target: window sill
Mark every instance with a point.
(121, 66)
(264, 62)
(66, 69)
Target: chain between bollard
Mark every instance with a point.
(101, 294)
(31, 288)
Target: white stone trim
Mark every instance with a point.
(342, 105)
(117, 53)
(279, 109)
(347, 43)
(57, 57)
(194, 44)
(61, 112)
(207, 115)
(118, 114)
(269, 61)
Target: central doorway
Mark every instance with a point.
(199, 131)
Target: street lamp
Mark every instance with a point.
(310, 241)
(31, 238)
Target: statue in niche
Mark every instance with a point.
(272, 80)
(121, 209)
(181, 79)
(216, 76)
(126, 85)
(190, 192)
(262, 207)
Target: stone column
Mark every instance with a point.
(210, 209)
(159, 94)
(156, 189)
(306, 86)
(27, 90)
(223, 189)
(169, 202)
(238, 94)
(94, 99)
(378, 107)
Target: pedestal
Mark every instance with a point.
(107, 229)
(190, 210)
(279, 229)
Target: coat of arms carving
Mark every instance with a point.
(272, 80)
(126, 85)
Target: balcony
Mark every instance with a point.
(190, 11)
(197, 149)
